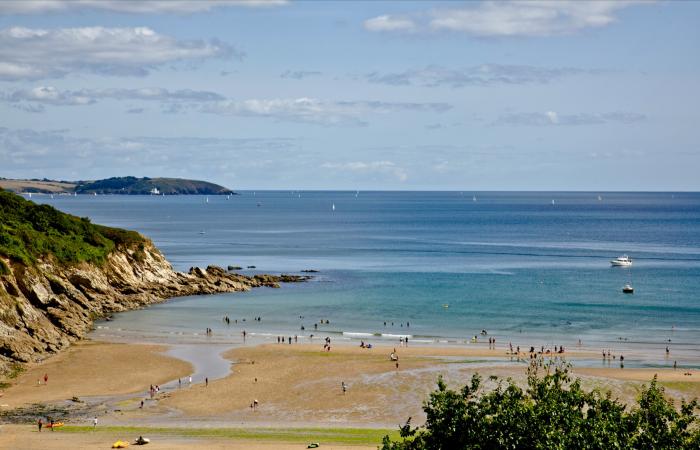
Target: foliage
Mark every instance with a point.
(143, 186)
(29, 231)
(554, 412)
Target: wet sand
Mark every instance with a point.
(94, 369)
(297, 385)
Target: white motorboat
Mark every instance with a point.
(628, 289)
(622, 261)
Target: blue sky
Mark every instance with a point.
(526, 95)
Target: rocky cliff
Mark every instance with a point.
(47, 305)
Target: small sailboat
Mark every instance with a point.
(552, 202)
(333, 207)
(30, 195)
(52, 196)
(207, 200)
(600, 198)
(474, 198)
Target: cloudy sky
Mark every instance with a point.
(523, 95)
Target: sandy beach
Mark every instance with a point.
(298, 385)
(94, 369)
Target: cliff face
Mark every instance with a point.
(46, 306)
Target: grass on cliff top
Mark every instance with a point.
(29, 231)
(353, 436)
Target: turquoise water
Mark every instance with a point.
(526, 270)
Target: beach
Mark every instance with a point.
(296, 386)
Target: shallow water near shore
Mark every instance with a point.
(440, 265)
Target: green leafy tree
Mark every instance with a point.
(553, 412)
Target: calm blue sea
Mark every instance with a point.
(531, 268)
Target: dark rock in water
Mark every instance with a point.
(273, 281)
(252, 267)
(230, 268)
(309, 271)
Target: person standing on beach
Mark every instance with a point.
(206, 382)
(40, 424)
(344, 387)
(46, 378)
(94, 423)
(190, 379)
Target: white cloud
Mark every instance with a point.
(304, 109)
(513, 18)
(552, 118)
(370, 167)
(312, 110)
(59, 154)
(481, 75)
(128, 6)
(389, 23)
(29, 53)
(299, 74)
(48, 95)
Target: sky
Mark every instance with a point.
(509, 95)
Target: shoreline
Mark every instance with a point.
(297, 386)
(82, 371)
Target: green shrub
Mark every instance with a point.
(554, 412)
(29, 231)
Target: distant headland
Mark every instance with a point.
(116, 185)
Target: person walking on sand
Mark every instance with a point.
(40, 424)
(206, 382)
(94, 423)
(344, 387)
(189, 379)
(46, 378)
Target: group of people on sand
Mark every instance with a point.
(282, 339)
(363, 345)
(327, 344)
(608, 356)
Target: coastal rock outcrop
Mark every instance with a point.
(46, 306)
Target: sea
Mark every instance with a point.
(529, 268)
